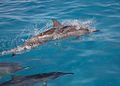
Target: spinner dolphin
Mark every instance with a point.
(57, 32)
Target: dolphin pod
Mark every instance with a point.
(31, 80)
(57, 32)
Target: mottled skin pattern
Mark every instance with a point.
(70, 31)
(40, 38)
(31, 80)
(56, 33)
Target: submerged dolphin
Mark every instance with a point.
(31, 80)
(7, 68)
(57, 32)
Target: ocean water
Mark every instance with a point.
(94, 58)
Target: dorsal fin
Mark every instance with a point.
(56, 23)
(14, 77)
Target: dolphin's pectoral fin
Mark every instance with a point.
(56, 23)
(25, 67)
(45, 83)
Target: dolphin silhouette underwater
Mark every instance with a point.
(57, 32)
(8, 68)
(31, 80)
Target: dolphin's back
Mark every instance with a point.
(48, 32)
(67, 29)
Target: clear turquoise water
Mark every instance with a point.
(94, 58)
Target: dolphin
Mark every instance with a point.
(8, 68)
(57, 32)
(31, 80)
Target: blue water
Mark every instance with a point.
(94, 58)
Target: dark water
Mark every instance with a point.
(94, 58)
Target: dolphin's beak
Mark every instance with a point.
(96, 31)
(26, 67)
(67, 73)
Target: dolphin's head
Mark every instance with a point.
(93, 30)
(58, 74)
(87, 30)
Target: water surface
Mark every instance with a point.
(94, 58)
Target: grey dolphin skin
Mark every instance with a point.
(8, 68)
(31, 80)
(57, 32)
